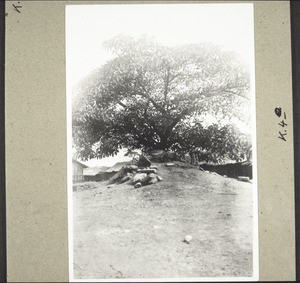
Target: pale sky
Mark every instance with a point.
(88, 26)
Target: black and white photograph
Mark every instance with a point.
(161, 127)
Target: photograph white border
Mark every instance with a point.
(255, 276)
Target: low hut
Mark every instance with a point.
(94, 173)
(232, 170)
(77, 169)
(111, 171)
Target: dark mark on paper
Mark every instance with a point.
(17, 7)
(278, 111)
(282, 123)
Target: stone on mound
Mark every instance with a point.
(118, 176)
(153, 180)
(138, 177)
(145, 180)
(146, 171)
(132, 167)
(144, 161)
(126, 178)
(138, 185)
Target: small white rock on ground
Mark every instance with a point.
(188, 239)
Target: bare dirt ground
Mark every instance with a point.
(123, 232)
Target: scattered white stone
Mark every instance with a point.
(159, 178)
(170, 165)
(188, 239)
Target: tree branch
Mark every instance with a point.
(229, 90)
(178, 119)
(166, 84)
(155, 104)
(174, 77)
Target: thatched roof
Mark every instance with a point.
(116, 167)
(79, 163)
(93, 171)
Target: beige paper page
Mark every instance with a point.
(36, 151)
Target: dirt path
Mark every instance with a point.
(122, 232)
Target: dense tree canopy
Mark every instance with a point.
(150, 96)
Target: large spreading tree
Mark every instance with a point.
(149, 96)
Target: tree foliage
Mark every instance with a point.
(151, 96)
(214, 143)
